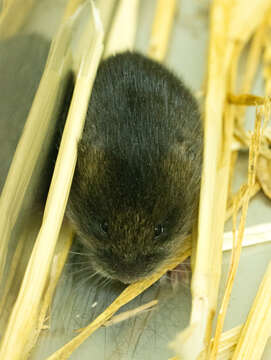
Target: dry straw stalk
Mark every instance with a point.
(257, 328)
(71, 8)
(125, 315)
(227, 344)
(250, 68)
(229, 115)
(60, 256)
(125, 18)
(240, 196)
(131, 313)
(107, 10)
(12, 271)
(237, 243)
(246, 99)
(267, 58)
(253, 235)
(161, 29)
(30, 146)
(205, 281)
(264, 165)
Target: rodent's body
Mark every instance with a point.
(136, 184)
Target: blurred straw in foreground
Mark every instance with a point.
(27, 308)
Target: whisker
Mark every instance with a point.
(78, 253)
(86, 279)
(77, 263)
(78, 271)
(103, 281)
(107, 282)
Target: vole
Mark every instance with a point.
(136, 185)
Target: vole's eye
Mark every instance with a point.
(158, 230)
(104, 227)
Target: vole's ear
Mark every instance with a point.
(184, 161)
(186, 150)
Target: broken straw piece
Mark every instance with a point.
(257, 328)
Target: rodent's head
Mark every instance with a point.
(131, 219)
(136, 184)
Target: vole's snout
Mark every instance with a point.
(128, 279)
(130, 268)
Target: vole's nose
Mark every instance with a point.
(128, 271)
(133, 273)
(129, 268)
(127, 279)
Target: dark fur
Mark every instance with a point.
(139, 165)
